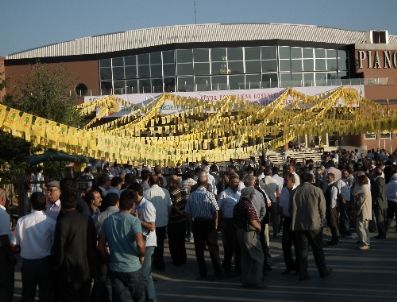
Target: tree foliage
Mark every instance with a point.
(46, 93)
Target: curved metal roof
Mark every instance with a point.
(178, 34)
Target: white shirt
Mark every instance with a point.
(297, 179)
(391, 190)
(285, 200)
(344, 189)
(270, 186)
(227, 200)
(53, 209)
(4, 222)
(161, 200)
(212, 182)
(280, 181)
(35, 234)
(147, 213)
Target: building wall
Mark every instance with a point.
(86, 72)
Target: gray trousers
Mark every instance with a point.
(362, 226)
(251, 257)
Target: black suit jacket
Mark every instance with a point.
(74, 248)
(379, 197)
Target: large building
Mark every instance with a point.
(215, 57)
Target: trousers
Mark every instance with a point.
(230, 245)
(362, 229)
(288, 240)
(251, 257)
(204, 233)
(37, 273)
(314, 238)
(6, 276)
(176, 242)
(158, 255)
(332, 221)
(147, 274)
(131, 282)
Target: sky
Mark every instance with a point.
(26, 24)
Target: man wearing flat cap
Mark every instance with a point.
(54, 203)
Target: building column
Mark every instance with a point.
(326, 139)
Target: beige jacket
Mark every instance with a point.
(363, 202)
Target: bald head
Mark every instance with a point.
(249, 180)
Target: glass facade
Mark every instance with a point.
(223, 68)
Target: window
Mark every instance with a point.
(144, 71)
(308, 65)
(201, 54)
(144, 86)
(319, 52)
(81, 89)
(169, 84)
(119, 87)
(270, 53)
(253, 81)
(285, 65)
(235, 54)
(308, 53)
(105, 63)
(285, 79)
(269, 80)
(331, 53)
(130, 72)
(342, 60)
(185, 84)
(155, 58)
(130, 60)
(219, 82)
(156, 71)
(385, 135)
(236, 67)
(321, 79)
(296, 53)
(254, 66)
(143, 59)
(168, 57)
(106, 87)
(308, 79)
(296, 65)
(218, 54)
(271, 66)
(236, 82)
(201, 68)
(184, 56)
(203, 83)
(285, 52)
(157, 85)
(320, 64)
(370, 135)
(185, 69)
(219, 68)
(169, 70)
(118, 61)
(297, 79)
(132, 86)
(118, 73)
(252, 54)
(106, 73)
(332, 64)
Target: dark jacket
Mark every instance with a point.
(308, 209)
(74, 249)
(379, 197)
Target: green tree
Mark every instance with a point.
(46, 93)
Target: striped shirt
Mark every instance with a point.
(202, 204)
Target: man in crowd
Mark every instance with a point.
(115, 185)
(379, 200)
(103, 183)
(391, 192)
(146, 212)
(161, 200)
(227, 201)
(203, 209)
(54, 203)
(7, 258)
(271, 188)
(122, 232)
(331, 198)
(35, 235)
(74, 251)
(308, 212)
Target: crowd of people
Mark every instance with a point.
(98, 237)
